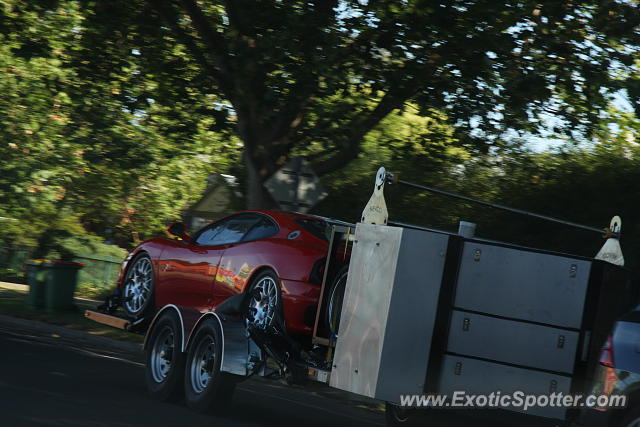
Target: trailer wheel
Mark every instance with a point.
(336, 297)
(164, 359)
(397, 416)
(206, 388)
(138, 288)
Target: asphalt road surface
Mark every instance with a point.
(50, 376)
(49, 380)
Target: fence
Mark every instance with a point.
(98, 272)
(12, 263)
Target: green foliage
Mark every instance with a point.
(113, 113)
(95, 290)
(326, 73)
(416, 147)
(587, 184)
(84, 147)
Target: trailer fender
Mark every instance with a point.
(152, 324)
(187, 317)
(235, 342)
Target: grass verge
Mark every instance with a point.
(12, 303)
(93, 291)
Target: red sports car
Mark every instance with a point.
(278, 256)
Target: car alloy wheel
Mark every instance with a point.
(263, 301)
(138, 286)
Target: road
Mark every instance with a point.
(49, 380)
(49, 377)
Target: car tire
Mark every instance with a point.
(206, 388)
(164, 359)
(264, 300)
(335, 300)
(138, 290)
(631, 418)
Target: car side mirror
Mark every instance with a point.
(178, 229)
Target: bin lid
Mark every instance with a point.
(55, 263)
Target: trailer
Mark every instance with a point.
(418, 312)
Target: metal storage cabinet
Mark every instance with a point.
(519, 343)
(480, 377)
(389, 310)
(522, 284)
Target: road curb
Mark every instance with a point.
(71, 334)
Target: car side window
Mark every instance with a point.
(229, 231)
(265, 228)
(208, 234)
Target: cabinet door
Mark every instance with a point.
(514, 342)
(461, 374)
(522, 284)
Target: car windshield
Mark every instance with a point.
(319, 228)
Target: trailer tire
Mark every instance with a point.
(397, 416)
(164, 359)
(206, 388)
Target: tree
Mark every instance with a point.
(78, 151)
(586, 184)
(39, 156)
(421, 148)
(327, 72)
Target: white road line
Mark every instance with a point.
(104, 356)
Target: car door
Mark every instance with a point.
(230, 232)
(191, 272)
(187, 274)
(241, 258)
(188, 269)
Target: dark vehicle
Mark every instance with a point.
(619, 374)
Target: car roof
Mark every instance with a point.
(277, 214)
(287, 219)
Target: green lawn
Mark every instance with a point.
(12, 304)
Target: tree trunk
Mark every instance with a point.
(257, 196)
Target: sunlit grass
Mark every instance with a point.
(93, 291)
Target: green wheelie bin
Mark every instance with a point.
(36, 279)
(52, 284)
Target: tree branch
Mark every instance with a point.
(234, 13)
(360, 126)
(289, 117)
(170, 16)
(307, 81)
(314, 156)
(216, 46)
